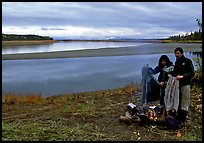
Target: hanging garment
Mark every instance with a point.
(150, 86)
(171, 98)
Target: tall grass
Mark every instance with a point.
(11, 98)
(25, 43)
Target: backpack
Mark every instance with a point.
(171, 122)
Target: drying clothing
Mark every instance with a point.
(144, 83)
(150, 86)
(171, 98)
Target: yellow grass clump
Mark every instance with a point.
(131, 88)
(11, 98)
(26, 42)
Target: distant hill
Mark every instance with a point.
(15, 37)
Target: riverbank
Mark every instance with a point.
(155, 48)
(180, 41)
(88, 116)
(26, 42)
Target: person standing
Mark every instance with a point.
(184, 72)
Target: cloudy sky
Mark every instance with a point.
(101, 19)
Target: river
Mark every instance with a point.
(71, 75)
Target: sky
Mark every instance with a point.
(140, 20)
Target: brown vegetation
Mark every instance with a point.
(90, 116)
(180, 41)
(26, 43)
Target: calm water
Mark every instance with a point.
(70, 75)
(67, 46)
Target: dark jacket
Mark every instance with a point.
(184, 67)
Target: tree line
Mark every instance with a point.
(197, 35)
(11, 37)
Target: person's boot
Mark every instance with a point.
(182, 118)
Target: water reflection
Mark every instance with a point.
(67, 46)
(69, 75)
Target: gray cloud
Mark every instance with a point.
(44, 28)
(173, 16)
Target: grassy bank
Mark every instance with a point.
(26, 43)
(90, 116)
(180, 41)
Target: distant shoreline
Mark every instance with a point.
(38, 42)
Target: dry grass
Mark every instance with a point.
(89, 116)
(181, 41)
(131, 88)
(26, 43)
(11, 98)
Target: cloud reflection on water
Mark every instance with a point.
(68, 75)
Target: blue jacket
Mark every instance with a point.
(163, 73)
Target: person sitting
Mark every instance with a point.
(164, 67)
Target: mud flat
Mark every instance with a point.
(155, 48)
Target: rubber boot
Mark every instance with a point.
(182, 118)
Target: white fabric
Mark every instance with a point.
(171, 98)
(168, 69)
